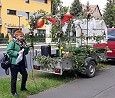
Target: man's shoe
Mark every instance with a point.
(15, 95)
(24, 89)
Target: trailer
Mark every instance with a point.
(83, 63)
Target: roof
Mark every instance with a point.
(92, 8)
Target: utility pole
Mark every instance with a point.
(19, 16)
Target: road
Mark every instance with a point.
(101, 86)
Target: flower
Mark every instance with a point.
(62, 48)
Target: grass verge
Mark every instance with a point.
(41, 82)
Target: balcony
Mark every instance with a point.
(0, 21)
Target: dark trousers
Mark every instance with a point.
(14, 72)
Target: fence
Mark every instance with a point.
(54, 40)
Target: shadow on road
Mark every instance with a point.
(109, 62)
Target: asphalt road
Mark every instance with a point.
(101, 86)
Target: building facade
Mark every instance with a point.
(15, 14)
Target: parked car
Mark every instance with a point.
(109, 45)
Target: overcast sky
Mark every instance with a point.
(101, 3)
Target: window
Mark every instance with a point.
(41, 31)
(111, 34)
(11, 12)
(27, 1)
(27, 15)
(12, 30)
(44, 1)
(41, 35)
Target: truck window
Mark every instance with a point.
(111, 34)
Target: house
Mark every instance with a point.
(94, 10)
(16, 14)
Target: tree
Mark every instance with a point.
(58, 15)
(76, 8)
(55, 4)
(109, 13)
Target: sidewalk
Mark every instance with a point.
(2, 46)
(101, 86)
(40, 44)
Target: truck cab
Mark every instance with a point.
(109, 44)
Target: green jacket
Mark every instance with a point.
(12, 50)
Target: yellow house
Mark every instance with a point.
(14, 14)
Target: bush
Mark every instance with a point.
(1, 38)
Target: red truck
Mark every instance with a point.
(109, 44)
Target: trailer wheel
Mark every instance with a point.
(91, 69)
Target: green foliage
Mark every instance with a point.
(40, 14)
(55, 4)
(78, 63)
(47, 61)
(99, 50)
(98, 38)
(1, 37)
(109, 13)
(64, 10)
(80, 54)
(55, 11)
(27, 37)
(59, 14)
(76, 8)
(54, 31)
(35, 17)
(79, 57)
(7, 36)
